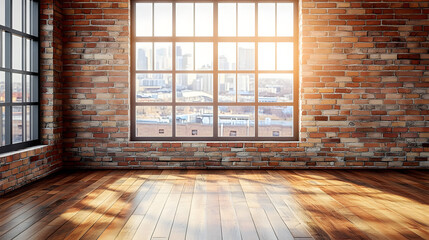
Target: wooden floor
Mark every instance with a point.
(155, 204)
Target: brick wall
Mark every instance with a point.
(364, 92)
(22, 167)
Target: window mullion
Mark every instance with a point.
(173, 90)
(256, 74)
(215, 71)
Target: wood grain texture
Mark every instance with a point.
(231, 204)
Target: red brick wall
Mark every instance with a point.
(364, 92)
(18, 169)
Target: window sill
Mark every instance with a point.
(28, 149)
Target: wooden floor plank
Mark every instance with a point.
(230, 204)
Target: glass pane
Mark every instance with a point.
(266, 19)
(236, 121)
(2, 12)
(17, 15)
(184, 19)
(16, 52)
(27, 16)
(28, 88)
(203, 56)
(163, 19)
(203, 19)
(143, 19)
(2, 86)
(227, 56)
(155, 87)
(163, 56)
(266, 56)
(246, 19)
(35, 56)
(194, 87)
(35, 18)
(16, 87)
(154, 121)
(285, 56)
(3, 49)
(227, 88)
(34, 122)
(275, 87)
(16, 124)
(227, 19)
(143, 56)
(275, 121)
(246, 56)
(246, 87)
(34, 89)
(2, 126)
(184, 56)
(28, 55)
(192, 121)
(27, 123)
(285, 19)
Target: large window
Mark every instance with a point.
(19, 47)
(214, 70)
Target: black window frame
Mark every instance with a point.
(29, 31)
(215, 39)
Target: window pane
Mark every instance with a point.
(163, 56)
(27, 123)
(2, 86)
(246, 56)
(194, 87)
(34, 89)
(16, 87)
(34, 122)
(163, 19)
(184, 19)
(184, 56)
(203, 19)
(2, 126)
(284, 56)
(275, 87)
(28, 88)
(246, 19)
(246, 88)
(35, 56)
(154, 121)
(16, 124)
(3, 49)
(275, 121)
(143, 56)
(203, 56)
(2, 12)
(192, 121)
(227, 56)
(266, 19)
(236, 121)
(227, 88)
(28, 55)
(27, 16)
(227, 19)
(144, 19)
(154, 87)
(285, 19)
(266, 56)
(16, 52)
(35, 18)
(17, 15)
